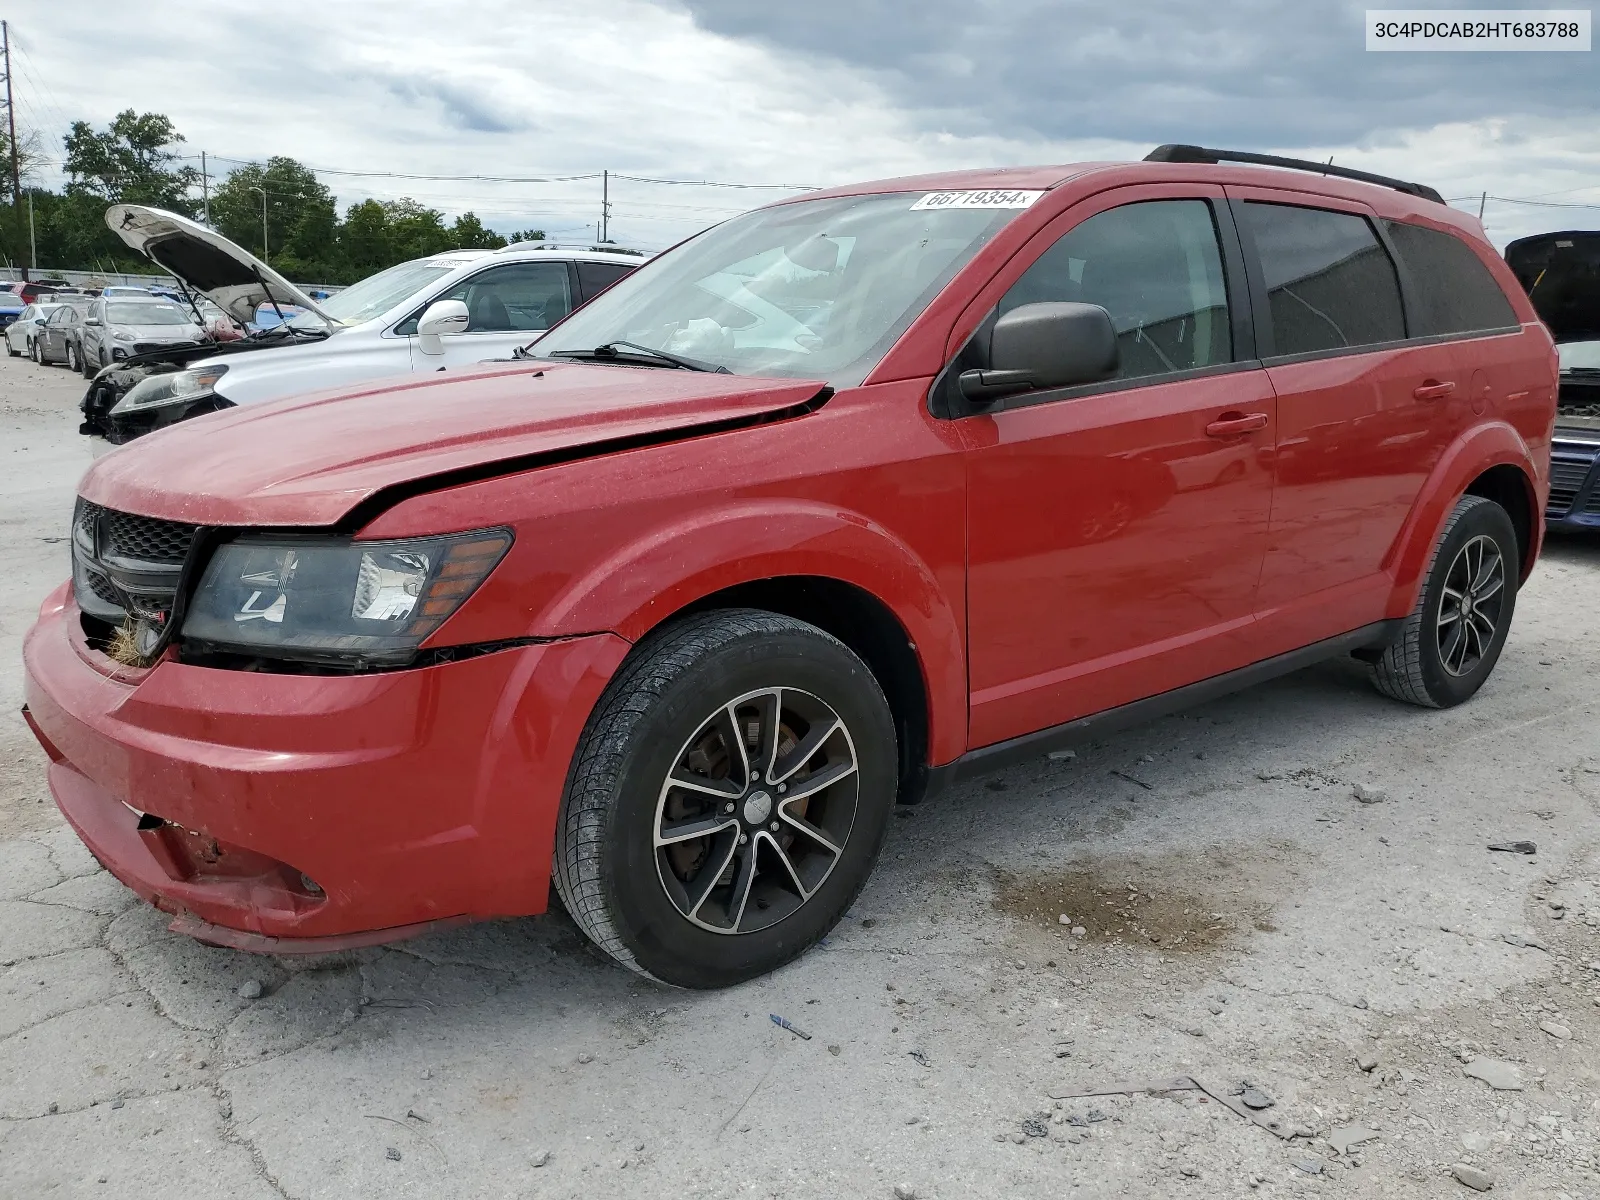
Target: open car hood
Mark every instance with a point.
(227, 274)
(311, 460)
(1561, 274)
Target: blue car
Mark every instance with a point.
(1561, 272)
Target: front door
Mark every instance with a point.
(507, 306)
(1116, 531)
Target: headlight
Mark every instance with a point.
(178, 387)
(121, 335)
(337, 600)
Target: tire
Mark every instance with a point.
(36, 353)
(657, 909)
(1451, 641)
(12, 352)
(72, 359)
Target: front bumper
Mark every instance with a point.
(302, 812)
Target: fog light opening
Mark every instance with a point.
(310, 884)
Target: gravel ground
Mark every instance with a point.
(1232, 915)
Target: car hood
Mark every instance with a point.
(310, 460)
(157, 333)
(224, 272)
(1561, 274)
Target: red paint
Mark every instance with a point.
(1044, 561)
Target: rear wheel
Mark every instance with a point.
(36, 353)
(72, 358)
(727, 799)
(1453, 638)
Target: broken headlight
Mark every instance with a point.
(157, 401)
(337, 600)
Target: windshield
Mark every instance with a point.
(818, 289)
(376, 294)
(131, 312)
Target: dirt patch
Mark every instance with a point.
(1181, 905)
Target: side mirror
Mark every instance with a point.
(441, 317)
(91, 320)
(1050, 345)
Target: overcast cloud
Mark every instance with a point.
(818, 93)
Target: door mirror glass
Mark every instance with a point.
(440, 318)
(1045, 345)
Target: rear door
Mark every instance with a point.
(1116, 530)
(1363, 414)
(596, 277)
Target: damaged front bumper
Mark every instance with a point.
(286, 812)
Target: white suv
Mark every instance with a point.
(446, 310)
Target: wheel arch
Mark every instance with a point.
(837, 569)
(870, 628)
(1489, 460)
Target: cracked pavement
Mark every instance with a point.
(1243, 918)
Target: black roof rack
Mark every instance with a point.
(1174, 153)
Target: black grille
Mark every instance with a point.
(153, 347)
(146, 538)
(1566, 477)
(101, 587)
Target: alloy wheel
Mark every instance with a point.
(1470, 604)
(756, 810)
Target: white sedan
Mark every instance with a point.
(20, 333)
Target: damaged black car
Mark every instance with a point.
(1561, 273)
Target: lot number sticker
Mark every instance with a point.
(1002, 199)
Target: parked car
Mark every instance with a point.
(20, 334)
(1561, 272)
(135, 293)
(496, 301)
(121, 326)
(58, 340)
(33, 290)
(11, 305)
(835, 503)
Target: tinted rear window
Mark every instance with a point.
(596, 277)
(1455, 293)
(1330, 284)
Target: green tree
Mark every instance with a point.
(131, 161)
(469, 233)
(302, 214)
(528, 235)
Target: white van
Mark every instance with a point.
(446, 310)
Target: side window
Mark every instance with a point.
(1330, 284)
(596, 277)
(1455, 291)
(510, 298)
(1156, 267)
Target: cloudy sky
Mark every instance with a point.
(739, 91)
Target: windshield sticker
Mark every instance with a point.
(991, 199)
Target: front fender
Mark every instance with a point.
(1476, 451)
(644, 581)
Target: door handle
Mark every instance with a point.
(1433, 390)
(1232, 424)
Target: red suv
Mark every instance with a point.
(837, 502)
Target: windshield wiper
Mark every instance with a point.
(613, 351)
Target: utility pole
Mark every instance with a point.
(33, 241)
(263, 192)
(605, 205)
(11, 121)
(205, 190)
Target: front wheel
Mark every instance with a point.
(727, 799)
(1453, 637)
(12, 351)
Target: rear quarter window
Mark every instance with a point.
(1454, 291)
